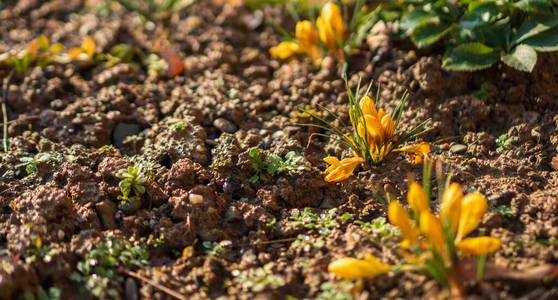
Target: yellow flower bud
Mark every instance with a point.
(473, 207)
(330, 26)
(451, 206)
(417, 199)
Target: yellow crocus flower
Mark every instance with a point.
(286, 50)
(330, 26)
(399, 217)
(307, 37)
(417, 153)
(417, 199)
(85, 51)
(431, 227)
(341, 170)
(479, 245)
(350, 268)
(451, 206)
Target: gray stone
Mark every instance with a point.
(224, 125)
(122, 131)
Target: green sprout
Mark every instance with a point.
(274, 163)
(259, 279)
(504, 143)
(215, 249)
(101, 271)
(132, 180)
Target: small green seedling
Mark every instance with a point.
(379, 226)
(504, 143)
(215, 249)
(259, 279)
(505, 211)
(101, 270)
(132, 180)
(323, 223)
(483, 93)
(53, 293)
(274, 163)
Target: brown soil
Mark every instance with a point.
(197, 129)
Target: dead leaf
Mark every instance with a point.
(166, 51)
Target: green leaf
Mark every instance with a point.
(428, 34)
(523, 58)
(497, 34)
(533, 26)
(417, 18)
(254, 153)
(470, 57)
(544, 42)
(538, 6)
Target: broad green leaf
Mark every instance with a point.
(538, 6)
(523, 58)
(497, 34)
(417, 18)
(470, 57)
(428, 34)
(544, 42)
(533, 26)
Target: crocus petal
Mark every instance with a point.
(451, 205)
(74, 53)
(341, 170)
(88, 46)
(387, 125)
(479, 245)
(333, 161)
(374, 129)
(306, 34)
(417, 199)
(417, 152)
(349, 268)
(285, 50)
(368, 106)
(473, 207)
(399, 217)
(431, 227)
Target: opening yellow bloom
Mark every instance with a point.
(341, 170)
(306, 42)
(350, 268)
(330, 26)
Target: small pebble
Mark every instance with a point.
(458, 149)
(224, 125)
(195, 198)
